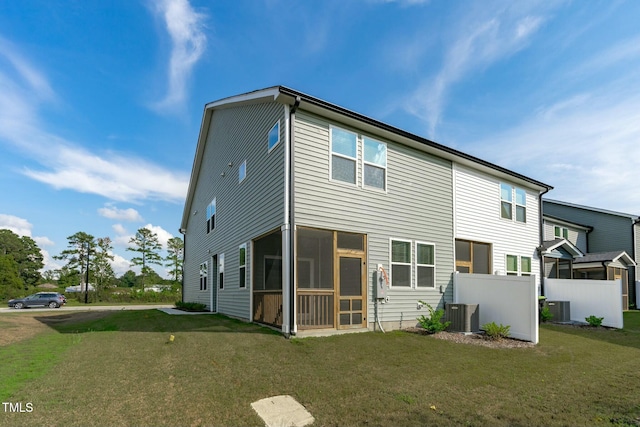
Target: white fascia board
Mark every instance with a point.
(625, 256)
(269, 94)
(566, 223)
(568, 246)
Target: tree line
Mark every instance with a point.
(88, 260)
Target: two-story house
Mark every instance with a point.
(304, 215)
(582, 242)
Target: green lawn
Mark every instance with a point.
(122, 370)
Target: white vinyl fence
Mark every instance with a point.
(600, 298)
(507, 300)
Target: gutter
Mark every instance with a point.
(541, 237)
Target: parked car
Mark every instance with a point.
(41, 299)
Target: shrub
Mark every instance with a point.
(594, 321)
(190, 306)
(496, 332)
(545, 314)
(432, 324)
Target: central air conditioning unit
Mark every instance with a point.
(463, 317)
(561, 311)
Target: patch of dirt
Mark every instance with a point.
(475, 339)
(18, 328)
(24, 326)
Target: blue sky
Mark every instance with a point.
(101, 102)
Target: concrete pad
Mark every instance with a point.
(282, 411)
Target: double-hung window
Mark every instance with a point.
(344, 155)
(211, 216)
(203, 276)
(512, 265)
(425, 265)
(525, 266)
(506, 201)
(513, 199)
(521, 205)
(375, 163)
(243, 266)
(401, 263)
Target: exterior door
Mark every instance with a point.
(351, 305)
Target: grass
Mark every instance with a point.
(121, 369)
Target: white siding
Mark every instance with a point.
(477, 218)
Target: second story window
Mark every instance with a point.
(211, 216)
(242, 171)
(344, 155)
(509, 195)
(274, 136)
(560, 232)
(375, 163)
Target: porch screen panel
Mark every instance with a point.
(315, 259)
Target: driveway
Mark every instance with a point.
(88, 307)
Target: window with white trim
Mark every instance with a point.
(243, 265)
(375, 163)
(560, 232)
(425, 265)
(221, 271)
(344, 155)
(513, 199)
(242, 171)
(401, 263)
(521, 205)
(525, 266)
(518, 265)
(274, 136)
(211, 216)
(512, 265)
(203, 276)
(506, 199)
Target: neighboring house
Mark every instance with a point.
(297, 209)
(609, 243)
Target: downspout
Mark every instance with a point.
(184, 250)
(288, 291)
(541, 232)
(292, 217)
(635, 259)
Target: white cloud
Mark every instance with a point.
(163, 235)
(586, 146)
(124, 179)
(22, 227)
(122, 235)
(185, 27)
(120, 265)
(482, 37)
(43, 241)
(111, 212)
(18, 225)
(65, 165)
